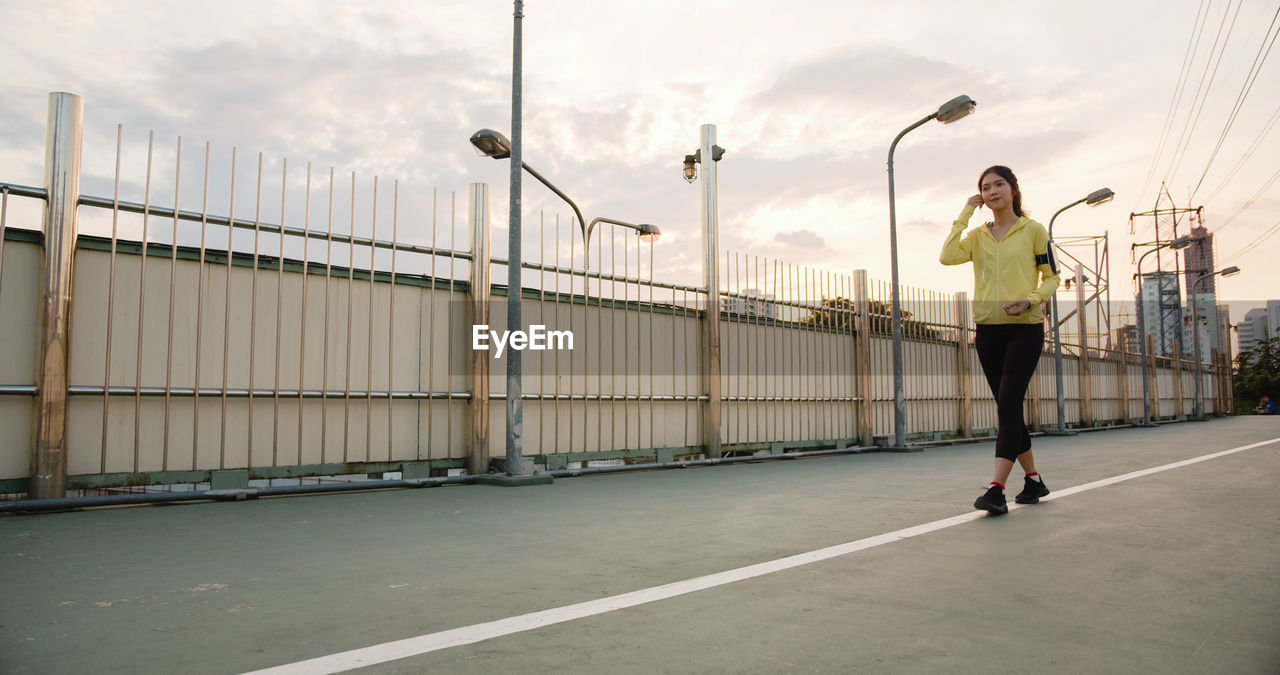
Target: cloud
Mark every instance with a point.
(800, 239)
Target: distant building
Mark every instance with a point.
(752, 302)
(1127, 337)
(1254, 328)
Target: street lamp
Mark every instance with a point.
(1095, 198)
(1175, 245)
(947, 113)
(1195, 330)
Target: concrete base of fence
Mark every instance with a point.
(234, 479)
(515, 481)
(1068, 432)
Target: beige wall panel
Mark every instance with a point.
(16, 414)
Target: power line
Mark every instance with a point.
(1179, 88)
(1205, 86)
(1257, 141)
(1252, 77)
(1253, 244)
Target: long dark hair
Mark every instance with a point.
(1007, 174)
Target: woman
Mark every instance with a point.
(1013, 277)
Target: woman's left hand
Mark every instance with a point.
(1018, 307)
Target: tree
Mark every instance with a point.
(1257, 374)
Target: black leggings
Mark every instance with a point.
(1009, 353)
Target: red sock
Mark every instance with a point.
(998, 484)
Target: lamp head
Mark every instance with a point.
(489, 143)
(1100, 197)
(1180, 243)
(649, 233)
(956, 108)
(1230, 271)
(690, 171)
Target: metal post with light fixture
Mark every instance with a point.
(1174, 245)
(710, 331)
(1095, 198)
(1231, 271)
(949, 112)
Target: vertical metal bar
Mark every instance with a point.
(542, 317)
(753, 345)
(556, 407)
(688, 369)
(391, 321)
(711, 279)
(1175, 360)
(142, 300)
(351, 282)
(862, 303)
(275, 403)
(828, 317)
(478, 231)
(302, 324)
(514, 407)
(173, 272)
(111, 290)
(1086, 387)
(775, 346)
(204, 233)
(448, 339)
(253, 302)
(600, 348)
(732, 343)
(431, 335)
(62, 185)
(226, 316)
(626, 337)
(962, 354)
(368, 343)
(324, 369)
(811, 389)
(652, 351)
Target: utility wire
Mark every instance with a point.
(1252, 77)
(1253, 244)
(1205, 86)
(1179, 88)
(1253, 147)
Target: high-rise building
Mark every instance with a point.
(1201, 286)
(1253, 328)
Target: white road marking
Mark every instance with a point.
(423, 644)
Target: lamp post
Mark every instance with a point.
(1195, 332)
(949, 112)
(708, 155)
(1177, 244)
(490, 143)
(1096, 198)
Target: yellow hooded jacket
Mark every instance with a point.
(1004, 271)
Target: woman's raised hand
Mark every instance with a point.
(975, 201)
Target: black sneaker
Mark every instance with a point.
(1032, 491)
(993, 501)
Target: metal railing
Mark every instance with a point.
(224, 348)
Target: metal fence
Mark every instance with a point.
(329, 333)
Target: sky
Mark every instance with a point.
(806, 97)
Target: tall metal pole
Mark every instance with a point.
(515, 412)
(711, 279)
(62, 185)
(899, 394)
(1142, 341)
(478, 306)
(1057, 337)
